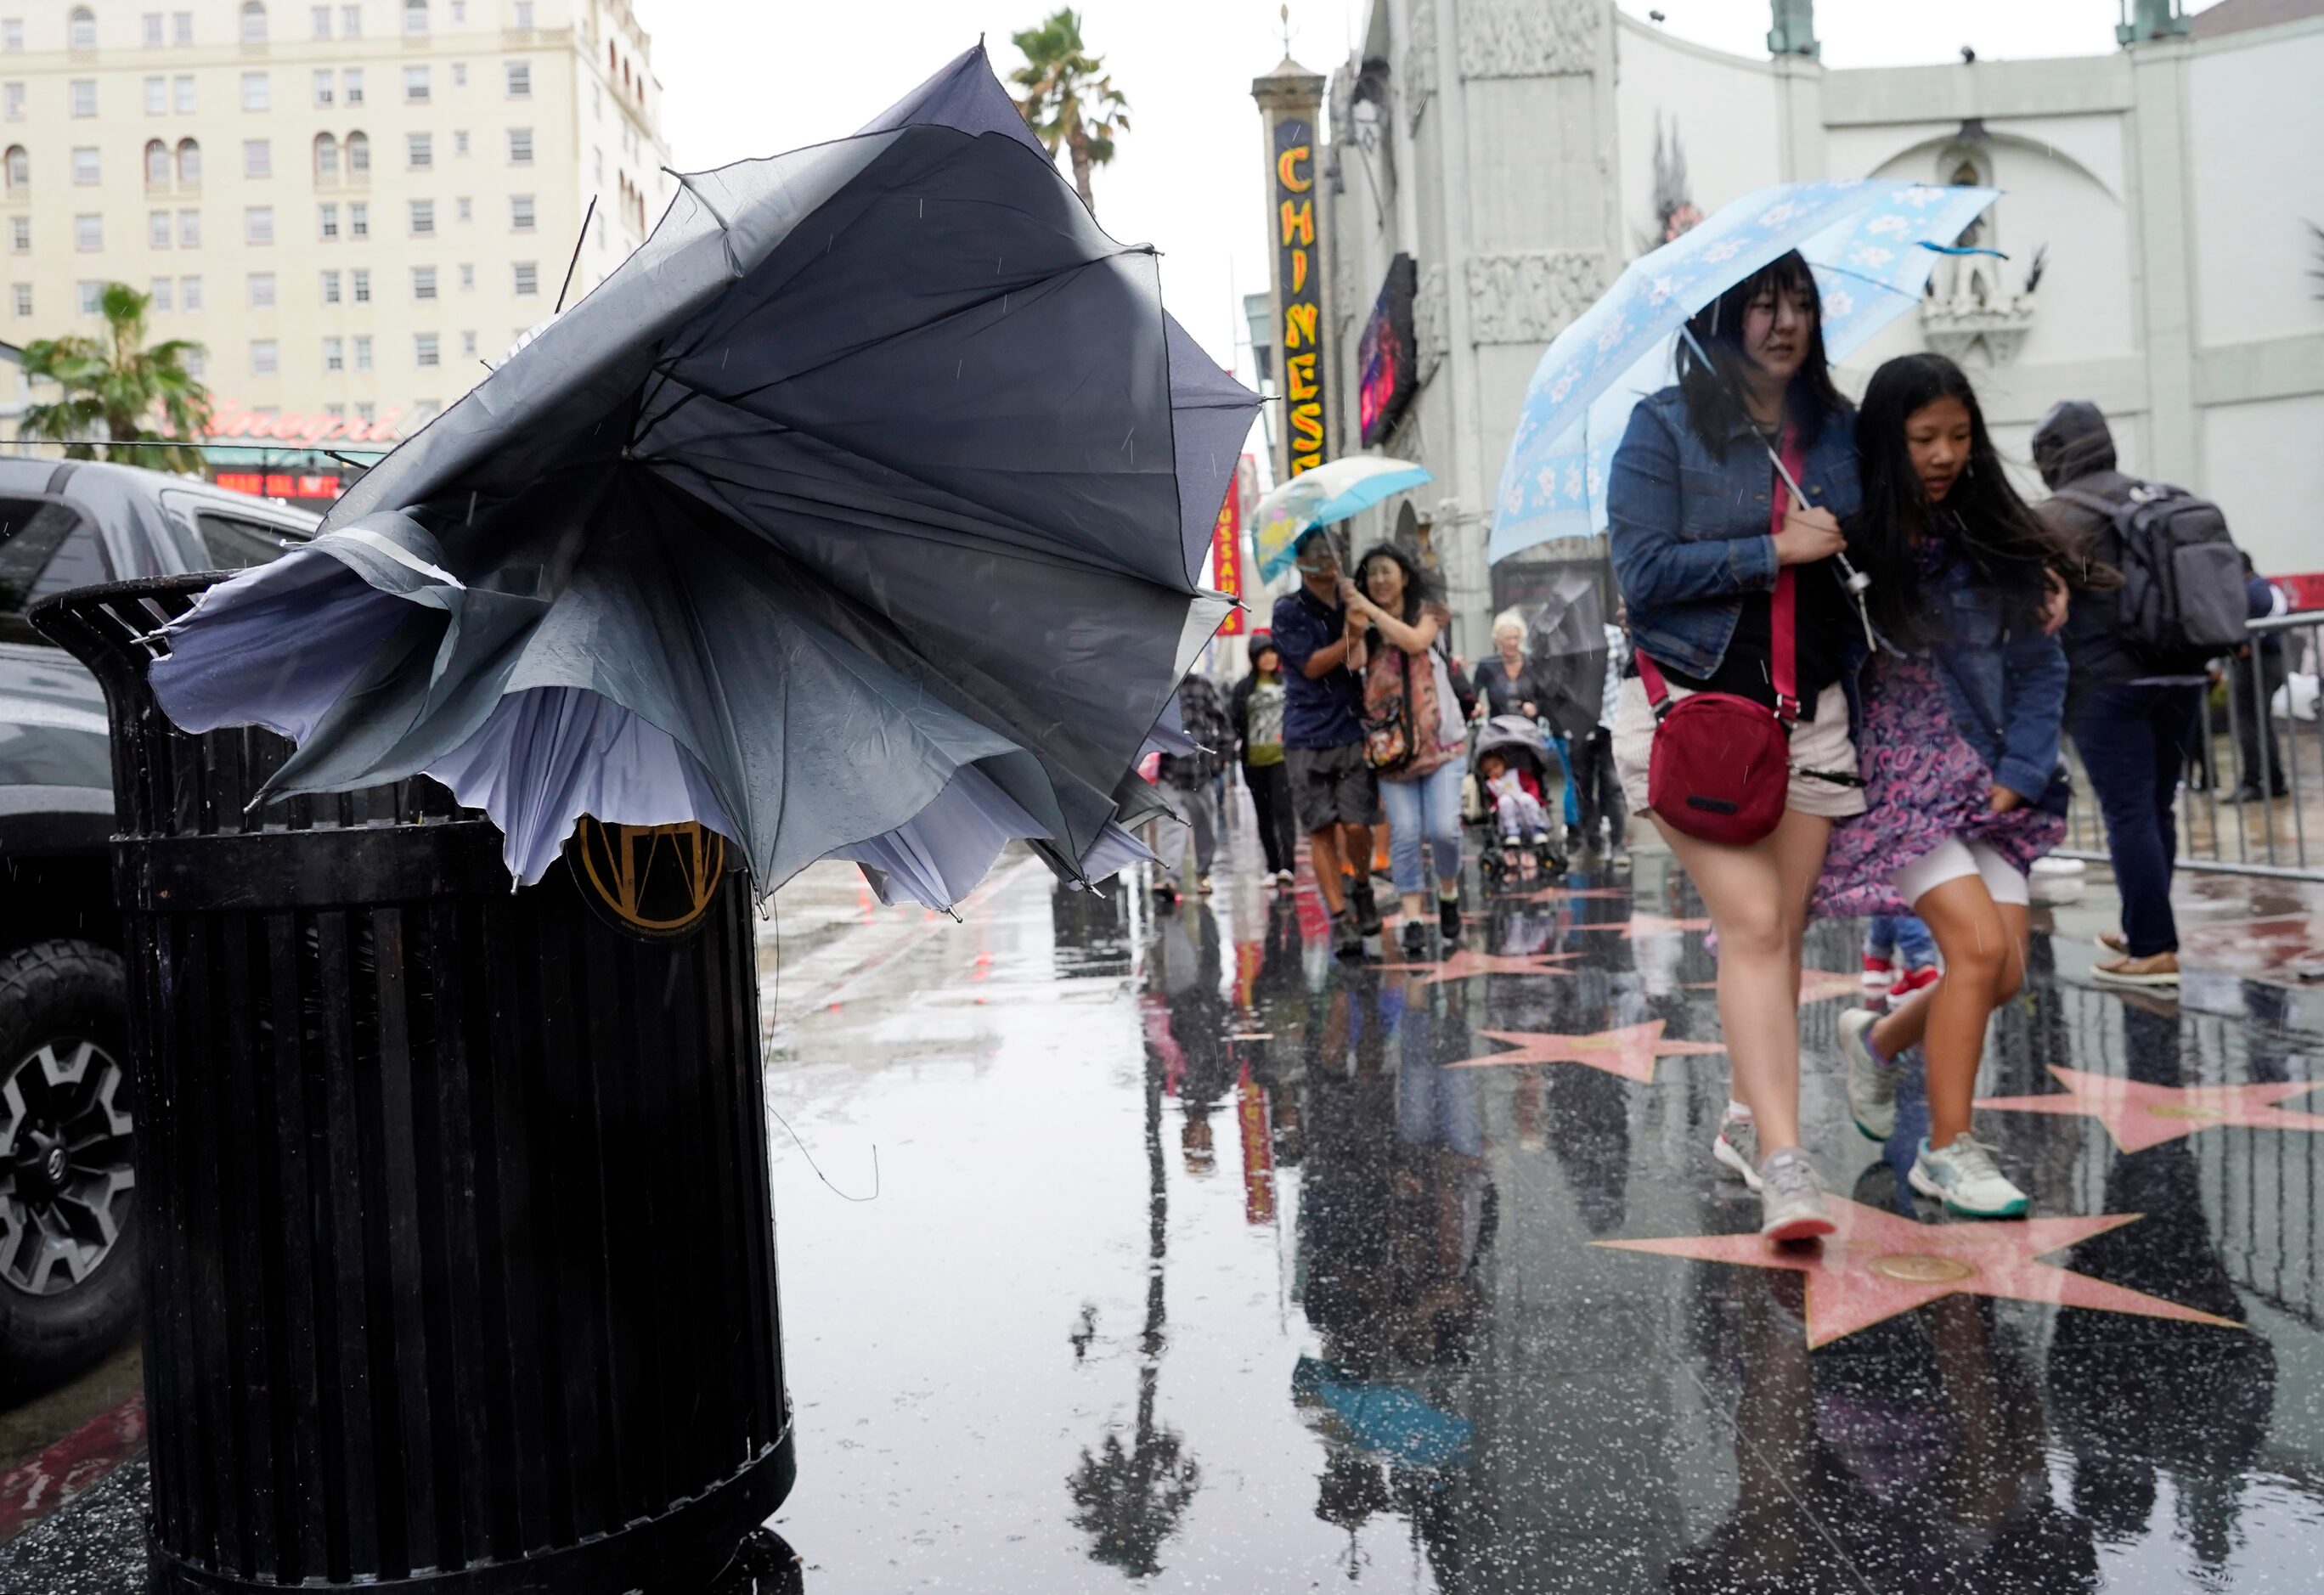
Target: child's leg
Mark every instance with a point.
(1915, 948)
(1880, 935)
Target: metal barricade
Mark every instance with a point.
(2259, 732)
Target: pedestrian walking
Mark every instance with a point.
(1334, 793)
(2131, 719)
(1192, 781)
(1732, 589)
(1590, 761)
(2253, 673)
(1254, 712)
(1962, 715)
(1509, 683)
(1413, 733)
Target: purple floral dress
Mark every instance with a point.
(1922, 784)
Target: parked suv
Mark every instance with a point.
(68, 1224)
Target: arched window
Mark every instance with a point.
(157, 164)
(20, 169)
(81, 28)
(190, 163)
(327, 155)
(253, 23)
(358, 152)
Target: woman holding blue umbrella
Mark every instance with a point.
(1733, 590)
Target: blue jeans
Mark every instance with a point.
(1424, 808)
(1904, 935)
(2133, 740)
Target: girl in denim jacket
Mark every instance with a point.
(1958, 749)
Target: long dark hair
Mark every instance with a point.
(1416, 587)
(1982, 520)
(1714, 391)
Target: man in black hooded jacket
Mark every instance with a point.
(2131, 725)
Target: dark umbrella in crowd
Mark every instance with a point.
(1565, 638)
(858, 514)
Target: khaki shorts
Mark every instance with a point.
(1820, 743)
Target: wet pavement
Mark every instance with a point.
(1134, 1249)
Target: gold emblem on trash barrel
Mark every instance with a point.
(653, 880)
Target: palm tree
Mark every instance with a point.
(113, 385)
(1069, 98)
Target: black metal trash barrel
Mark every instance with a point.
(458, 1246)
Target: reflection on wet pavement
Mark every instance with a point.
(1200, 1261)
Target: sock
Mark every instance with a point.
(1735, 1110)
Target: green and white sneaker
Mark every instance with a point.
(1871, 1083)
(1965, 1178)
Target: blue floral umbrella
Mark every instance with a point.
(1871, 245)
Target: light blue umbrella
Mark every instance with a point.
(1871, 244)
(1330, 492)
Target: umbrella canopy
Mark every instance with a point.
(1864, 240)
(1332, 491)
(1565, 638)
(857, 516)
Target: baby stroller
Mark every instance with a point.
(1525, 745)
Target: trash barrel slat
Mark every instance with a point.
(416, 1157)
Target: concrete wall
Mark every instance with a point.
(1722, 107)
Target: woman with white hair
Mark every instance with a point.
(1507, 683)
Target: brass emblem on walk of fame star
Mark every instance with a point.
(655, 881)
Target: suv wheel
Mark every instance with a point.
(67, 1231)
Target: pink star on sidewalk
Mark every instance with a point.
(2140, 1116)
(1630, 1051)
(1638, 925)
(1878, 1264)
(1465, 965)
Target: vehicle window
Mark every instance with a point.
(235, 543)
(45, 548)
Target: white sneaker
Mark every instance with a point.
(1965, 1178)
(1791, 1198)
(1737, 1148)
(1871, 1084)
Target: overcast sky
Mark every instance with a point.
(745, 80)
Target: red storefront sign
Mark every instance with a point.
(280, 485)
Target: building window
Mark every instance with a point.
(157, 164)
(467, 343)
(89, 233)
(81, 28)
(323, 88)
(467, 277)
(157, 97)
(13, 95)
(253, 23)
(181, 32)
(335, 353)
(161, 291)
(358, 153)
(423, 217)
(460, 141)
(327, 155)
(11, 33)
(20, 169)
(24, 298)
(92, 297)
(198, 361)
(419, 151)
(189, 232)
(257, 157)
(82, 96)
(521, 146)
(465, 208)
(157, 229)
(350, 21)
(359, 286)
(423, 282)
(364, 409)
(597, 163)
(363, 362)
(265, 358)
(528, 279)
(351, 86)
(415, 83)
(459, 74)
(521, 212)
(258, 224)
(327, 218)
(255, 95)
(190, 163)
(189, 293)
(358, 220)
(460, 12)
(84, 169)
(20, 234)
(330, 288)
(181, 92)
(322, 21)
(520, 80)
(423, 349)
(153, 23)
(415, 16)
(262, 290)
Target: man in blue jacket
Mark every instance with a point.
(1334, 791)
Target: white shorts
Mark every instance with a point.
(1954, 860)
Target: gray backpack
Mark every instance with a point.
(2182, 600)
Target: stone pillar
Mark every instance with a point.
(1290, 107)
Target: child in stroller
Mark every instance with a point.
(1510, 758)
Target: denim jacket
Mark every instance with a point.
(1688, 531)
(2006, 683)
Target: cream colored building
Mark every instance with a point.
(351, 205)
